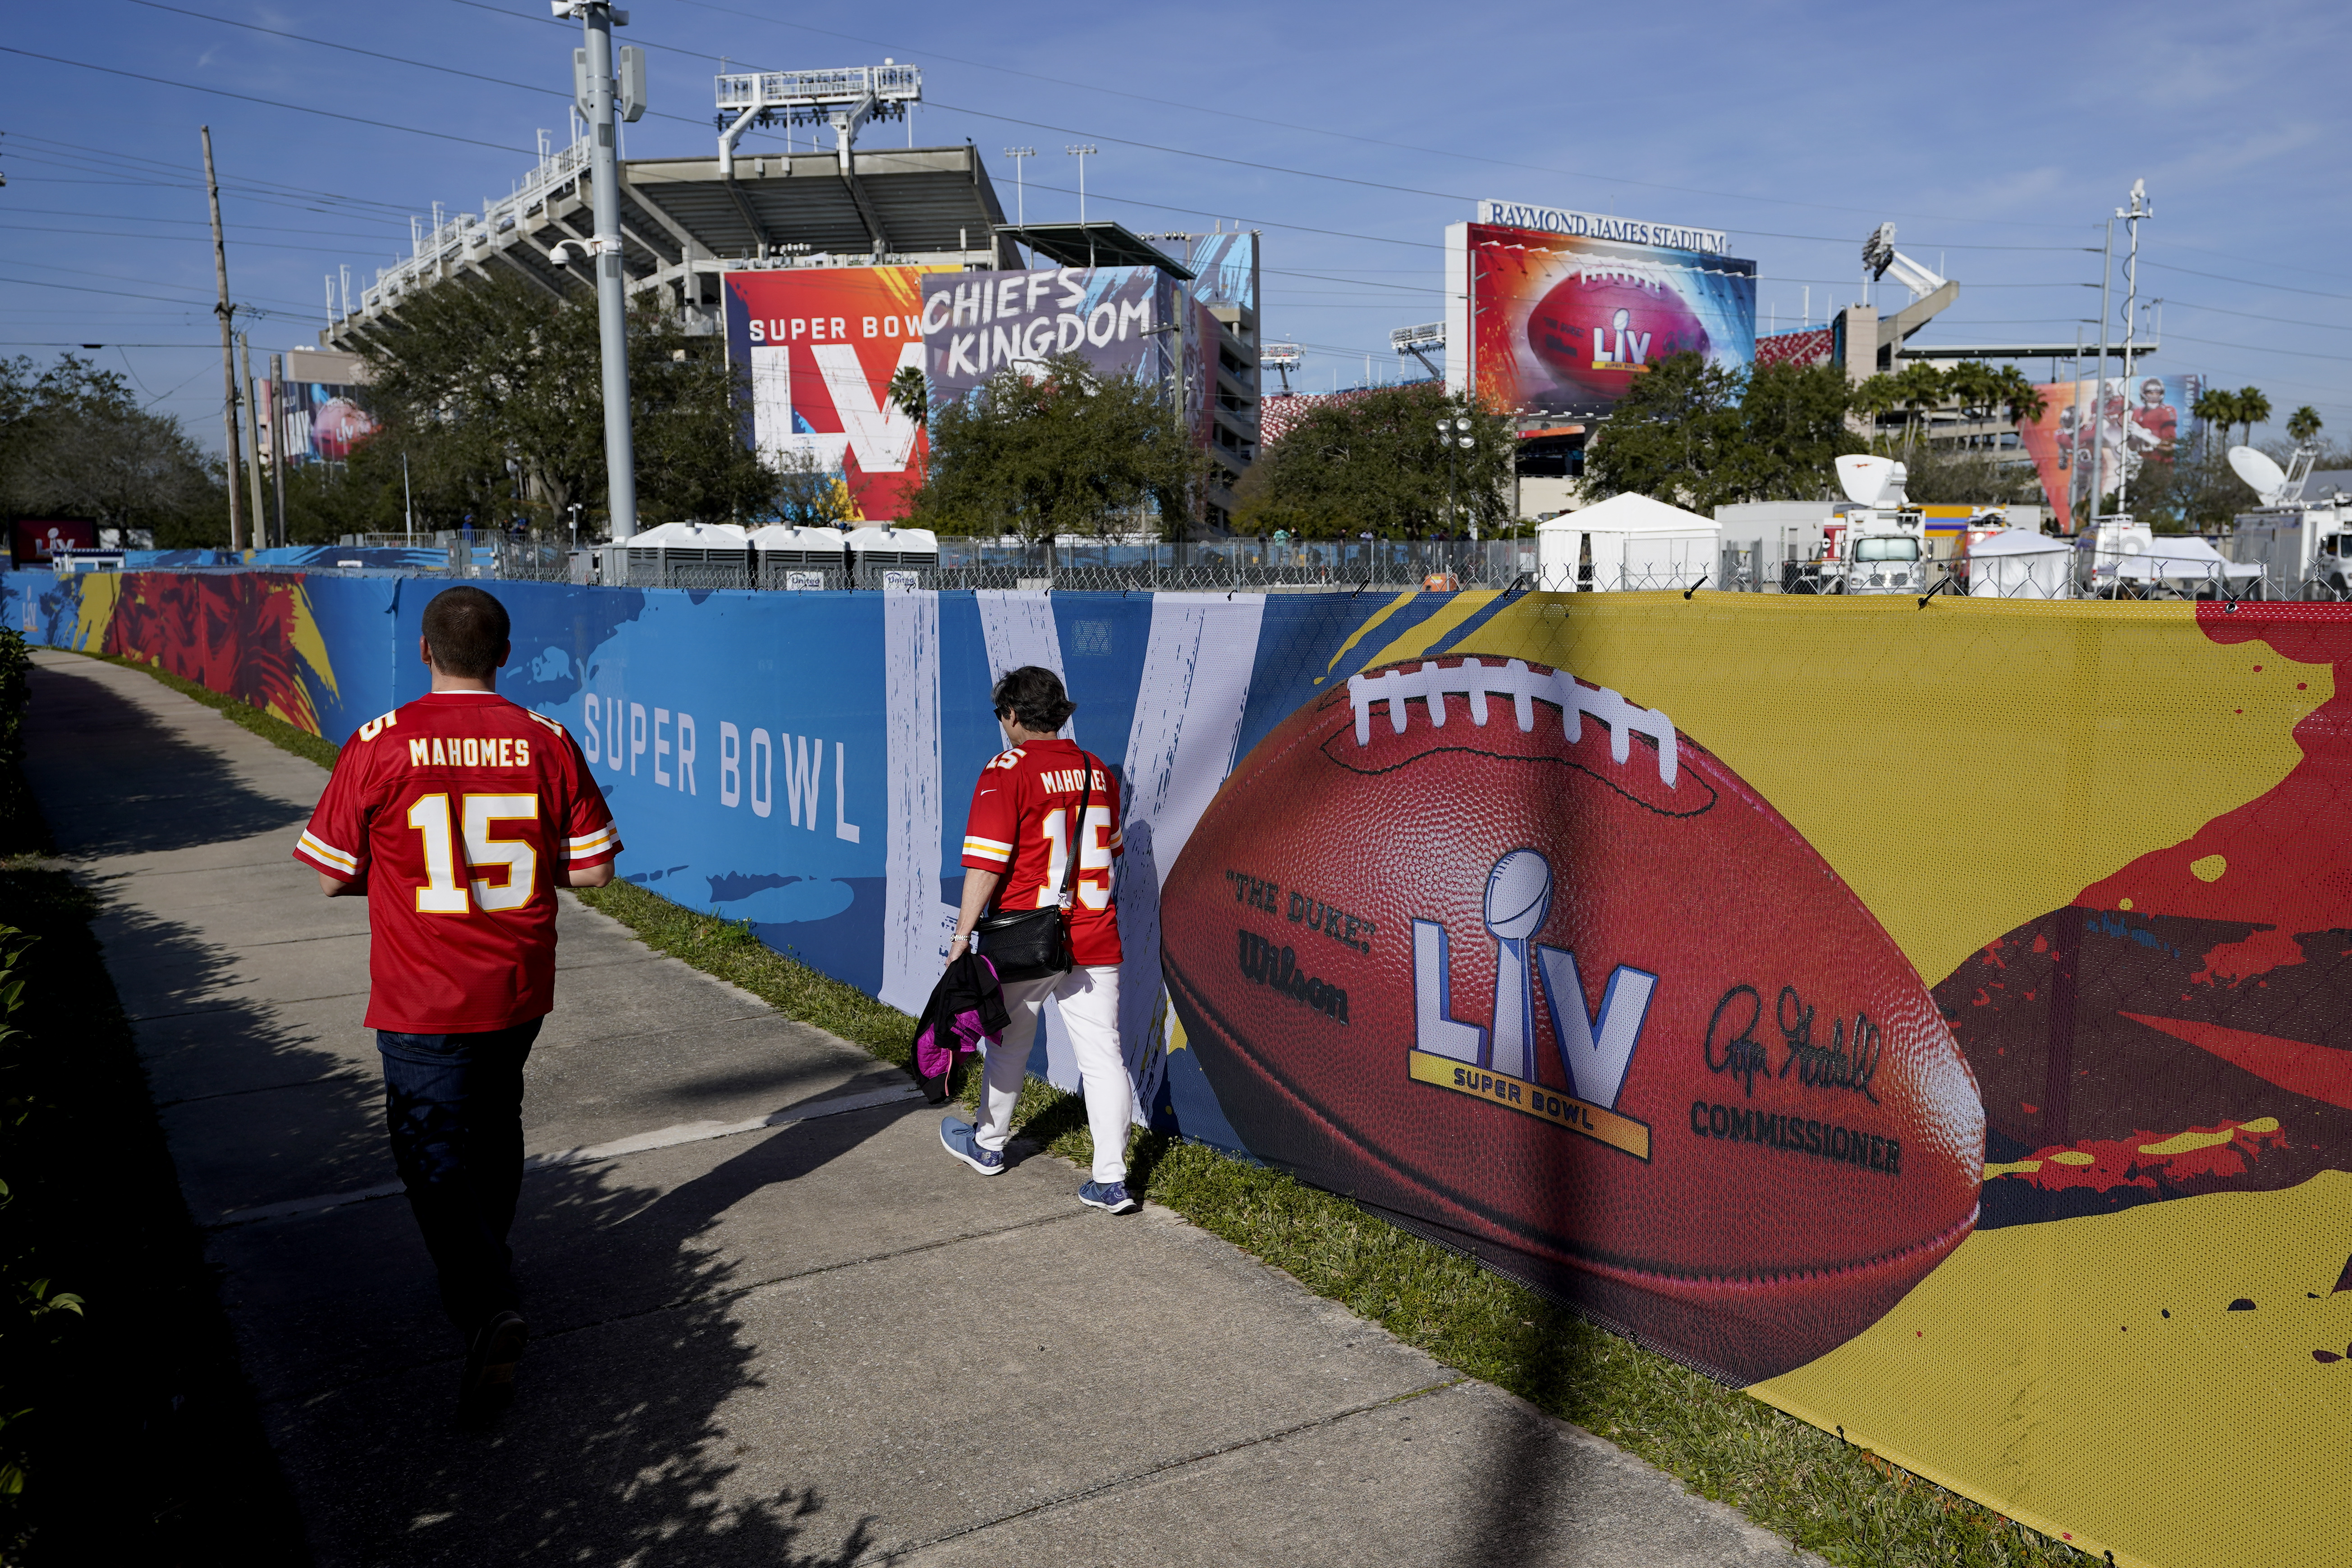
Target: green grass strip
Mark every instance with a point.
(270, 727)
(1826, 1495)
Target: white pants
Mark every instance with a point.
(1090, 999)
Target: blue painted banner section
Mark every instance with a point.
(801, 762)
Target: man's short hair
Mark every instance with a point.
(466, 631)
(1033, 694)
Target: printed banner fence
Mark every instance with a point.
(1928, 1019)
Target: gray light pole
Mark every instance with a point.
(597, 18)
(2099, 383)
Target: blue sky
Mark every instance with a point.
(1996, 137)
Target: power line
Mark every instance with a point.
(1320, 130)
(2258, 348)
(377, 54)
(2248, 282)
(185, 239)
(143, 218)
(267, 102)
(2250, 316)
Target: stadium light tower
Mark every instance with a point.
(845, 97)
(1082, 153)
(1020, 194)
(599, 98)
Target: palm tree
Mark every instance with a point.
(1918, 387)
(1874, 398)
(2217, 409)
(2302, 424)
(2017, 397)
(2253, 409)
(912, 394)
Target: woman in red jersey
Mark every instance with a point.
(1039, 802)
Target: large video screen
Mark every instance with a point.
(1561, 324)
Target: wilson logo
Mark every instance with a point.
(1276, 968)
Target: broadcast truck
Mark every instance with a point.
(2303, 544)
(1879, 545)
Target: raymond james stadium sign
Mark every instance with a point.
(1598, 225)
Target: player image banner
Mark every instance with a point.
(1596, 939)
(2139, 419)
(1561, 324)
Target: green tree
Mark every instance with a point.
(1701, 435)
(493, 393)
(2218, 409)
(1063, 450)
(75, 441)
(1374, 463)
(2302, 424)
(2252, 409)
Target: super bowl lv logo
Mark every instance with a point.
(1497, 1062)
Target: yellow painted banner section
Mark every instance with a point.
(1965, 766)
(2088, 1377)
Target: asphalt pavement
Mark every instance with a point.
(774, 1322)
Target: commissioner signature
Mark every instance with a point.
(1848, 1062)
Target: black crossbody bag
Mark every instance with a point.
(1034, 943)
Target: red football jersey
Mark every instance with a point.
(1021, 810)
(456, 808)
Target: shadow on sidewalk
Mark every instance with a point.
(638, 1434)
(112, 780)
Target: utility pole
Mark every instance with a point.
(252, 433)
(2140, 209)
(597, 19)
(2099, 384)
(277, 438)
(228, 349)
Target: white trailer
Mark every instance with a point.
(2302, 544)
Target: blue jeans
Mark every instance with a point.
(453, 1104)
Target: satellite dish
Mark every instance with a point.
(2268, 479)
(1865, 479)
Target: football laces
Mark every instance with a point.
(1430, 683)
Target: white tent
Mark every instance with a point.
(2182, 555)
(2021, 563)
(1626, 542)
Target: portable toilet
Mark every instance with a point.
(800, 557)
(888, 557)
(1627, 542)
(682, 555)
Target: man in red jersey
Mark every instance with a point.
(458, 816)
(1034, 806)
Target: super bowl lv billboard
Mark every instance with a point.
(817, 346)
(1562, 323)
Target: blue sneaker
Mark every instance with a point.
(957, 1139)
(1109, 1197)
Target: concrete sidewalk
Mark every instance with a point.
(773, 1323)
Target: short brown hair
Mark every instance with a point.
(467, 632)
(1033, 694)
